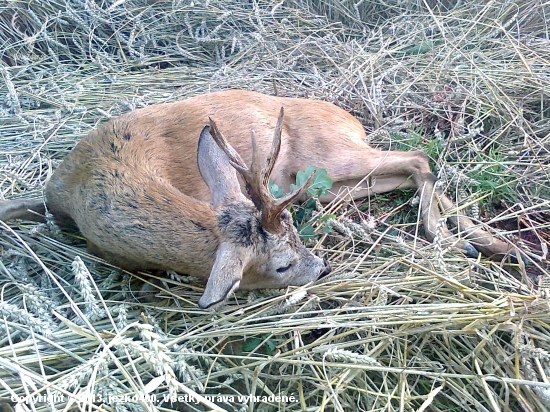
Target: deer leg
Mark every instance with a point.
(377, 171)
(25, 209)
(481, 239)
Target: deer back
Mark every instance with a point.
(311, 130)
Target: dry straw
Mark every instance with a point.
(400, 324)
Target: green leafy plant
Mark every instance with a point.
(492, 177)
(319, 186)
(303, 214)
(252, 344)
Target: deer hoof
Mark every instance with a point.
(515, 259)
(470, 250)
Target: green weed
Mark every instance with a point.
(492, 178)
(303, 214)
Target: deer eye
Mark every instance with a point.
(284, 269)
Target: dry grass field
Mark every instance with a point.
(400, 324)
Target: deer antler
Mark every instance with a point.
(257, 180)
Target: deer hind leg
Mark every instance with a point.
(378, 172)
(481, 239)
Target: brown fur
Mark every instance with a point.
(134, 188)
(314, 133)
(119, 185)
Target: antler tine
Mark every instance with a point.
(272, 208)
(254, 181)
(281, 203)
(275, 149)
(257, 177)
(234, 158)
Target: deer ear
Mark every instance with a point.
(216, 170)
(225, 276)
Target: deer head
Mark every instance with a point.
(259, 246)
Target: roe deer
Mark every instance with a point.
(144, 198)
(123, 201)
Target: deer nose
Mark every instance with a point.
(326, 270)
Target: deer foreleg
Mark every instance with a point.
(26, 209)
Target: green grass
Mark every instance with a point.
(494, 182)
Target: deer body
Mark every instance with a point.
(136, 189)
(131, 191)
